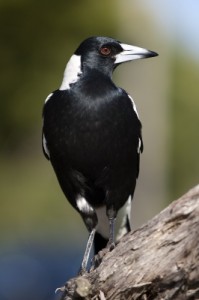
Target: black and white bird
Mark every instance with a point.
(92, 137)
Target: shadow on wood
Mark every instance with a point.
(160, 260)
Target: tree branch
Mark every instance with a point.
(160, 260)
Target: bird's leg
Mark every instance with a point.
(111, 242)
(90, 219)
(111, 213)
(87, 251)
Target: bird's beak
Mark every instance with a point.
(131, 53)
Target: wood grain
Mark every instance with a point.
(160, 260)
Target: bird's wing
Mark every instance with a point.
(140, 141)
(44, 142)
(45, 147)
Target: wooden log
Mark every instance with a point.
(158, 261)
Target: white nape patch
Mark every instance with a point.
(72, 72)
(103, 222)
(130, 53)
(49, 96)
(44, 142)
(134, 106)
(83, 205)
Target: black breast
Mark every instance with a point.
(94, 137)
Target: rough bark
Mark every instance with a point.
(160, 260)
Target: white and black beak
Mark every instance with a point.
(131, 53)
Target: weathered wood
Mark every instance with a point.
(160, 260)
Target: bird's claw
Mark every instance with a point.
(111, 246)
(60, 289)
(82, 271)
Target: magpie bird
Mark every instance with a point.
(92, 137)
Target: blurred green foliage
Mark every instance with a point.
(184, 104)
(36, 38)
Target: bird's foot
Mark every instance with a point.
(96, 261)
(82, 271)
(111, 246)
(75, 288)
(60, 289)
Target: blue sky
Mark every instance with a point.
(180, 19)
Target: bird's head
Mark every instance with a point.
(104, 53)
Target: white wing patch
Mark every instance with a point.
(44, 142)
(134, 106)
(72, 72)
(49, 96)
(139, 146)
(83, 205)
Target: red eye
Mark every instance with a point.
(105, 51)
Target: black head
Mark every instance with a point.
(104, 53)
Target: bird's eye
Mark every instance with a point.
(106, 51)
